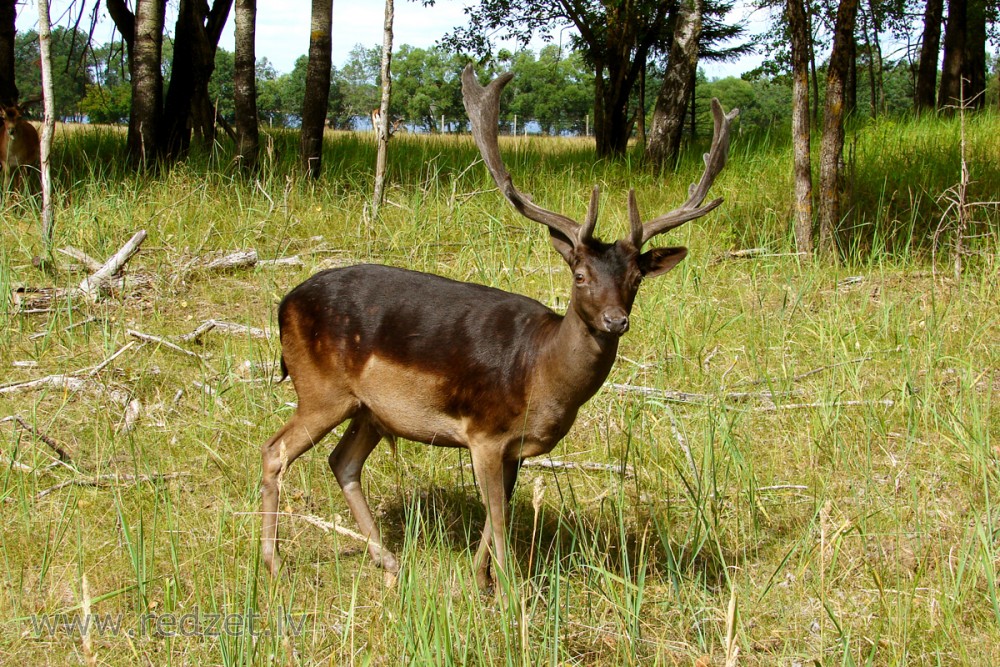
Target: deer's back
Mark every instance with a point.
(414, 347)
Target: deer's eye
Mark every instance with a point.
(579, 278)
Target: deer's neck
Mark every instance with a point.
(576, 360)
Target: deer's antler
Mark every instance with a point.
(482, 104)
(715, 160)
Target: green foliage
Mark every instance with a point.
(556, 89)
(70, 73)
(426, 85)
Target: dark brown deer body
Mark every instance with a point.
(418, 356)
(19, 147)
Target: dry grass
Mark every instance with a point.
(850, 513)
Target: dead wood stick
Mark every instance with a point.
(94, 283)
(82, 257)
(619, 468)
(69, 383)
(682, 443)
(802, 376)
(101, 366)
(235, 260)
(293, 260)
(51, 442)
(335, 526)
(888, 402)
(685, 397)
(149, 338)
(228, 327)
(42, 334)
(111, 480)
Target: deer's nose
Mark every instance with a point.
(616, 321)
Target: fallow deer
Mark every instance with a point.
(18, 146)
(406, 354)
(395, 124)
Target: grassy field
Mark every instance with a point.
(798, 460)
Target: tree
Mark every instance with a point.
(930, 44)
(382, 131)
(147, 80)
(8, 86)
(71, 76)
(317, 91)
(832, 142)
(614, 37)
(245, 88)
(187, 105)
(800, 32)
(678, 85)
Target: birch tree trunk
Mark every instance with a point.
(675, 93)
(317, 95)
(48, 125)
(147, 83)
(832, 143)
(245, 86)
(798, 25)
(382, 131)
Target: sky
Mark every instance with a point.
(283, 28)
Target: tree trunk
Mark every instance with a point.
(245, 86)
(974, 67)
(383, 129)
(930, 45)
(950, 92)
(640, 119)
(851, 85)
(812, 63)
(187, 106)
(49, 124)
(869, 52)
(801, 35)
(672, 99)
(147, 83)
(832, 143)
(317, 94)
(8, 85)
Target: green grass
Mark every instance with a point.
(854, 518)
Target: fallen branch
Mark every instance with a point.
(621, 469)
(335, 526)
(802, 376)
(51, 442)
(699, 399)
(149, 338)
(226, 327)
(69, 383)
(294, 260)
(94, 284)
(888, 402)
(111, 480)
(89, 262)
(42, 334)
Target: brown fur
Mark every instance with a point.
(399, 353)
(19, 146)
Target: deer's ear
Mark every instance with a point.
(562, 244)
(657, 261)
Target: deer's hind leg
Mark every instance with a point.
(303, 430)
(346, 461)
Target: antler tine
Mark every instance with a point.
(715, 160)
(482, 104)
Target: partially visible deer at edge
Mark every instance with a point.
(406, 354)
(19, 147)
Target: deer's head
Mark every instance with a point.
(606, 276)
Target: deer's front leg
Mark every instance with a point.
(496, 479)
